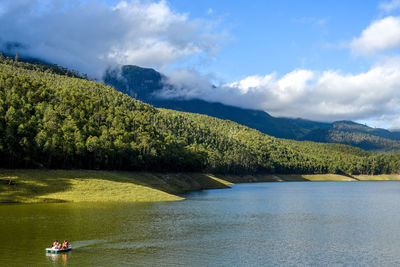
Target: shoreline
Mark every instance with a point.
(59, 186)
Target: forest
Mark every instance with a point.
(57, 119)
(358, 139)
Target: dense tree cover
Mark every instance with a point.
(57, 121)
(353, 127)
(237, 149)
(38, 65)
(144, 84)
(353, 138)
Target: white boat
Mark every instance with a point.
(56, 250)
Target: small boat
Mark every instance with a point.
(56, 250)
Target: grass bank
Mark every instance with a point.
(36, 186)
(309, 177)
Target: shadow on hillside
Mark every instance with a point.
(352, 177)
(31, 184)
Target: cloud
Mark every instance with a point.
(381, 36)
(89, 36)
(321, 96)
(186, 84)
(390, 6)
(331, 95)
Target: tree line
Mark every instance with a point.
(50, 118)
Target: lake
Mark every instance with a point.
(270, 224)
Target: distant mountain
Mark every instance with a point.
(349, 126)
(358, 139)
(144, 83)
(140, 83)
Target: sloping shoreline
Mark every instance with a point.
(46, 186)
(308, 178)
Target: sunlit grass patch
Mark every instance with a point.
(327, 177)
(222, 181)
(103, 190)
(381, 177)
(287, 178)
(32, 186)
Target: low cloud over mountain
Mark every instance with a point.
(90, 35)
(322, 96)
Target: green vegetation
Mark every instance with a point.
(382, 177)
(349, 126)
(291, 178)
(144, 83)
(39, 186)
(359, 139)
(307, 177)
(55, 121)
(35, 186)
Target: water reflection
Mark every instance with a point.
(58, 259)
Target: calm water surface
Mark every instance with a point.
(263, 224)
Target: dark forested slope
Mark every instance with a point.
(57, 121)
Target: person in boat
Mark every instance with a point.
(56, 245)
(64, 245)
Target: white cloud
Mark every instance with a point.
(331, 95)
(89, 36)
(187, 84)
(390, 6)
(322, 96)
(382, 35)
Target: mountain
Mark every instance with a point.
(349, 126)
(358, 139)
(144, 84)
(48, 120)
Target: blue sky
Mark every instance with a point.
(280, 36)
(320, 60)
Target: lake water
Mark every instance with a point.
(260, 224)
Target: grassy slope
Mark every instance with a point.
(309, 177)
(382, 177)
(33, 186)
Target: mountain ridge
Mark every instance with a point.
(145, 83)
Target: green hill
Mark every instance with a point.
(144, 83)
(349, 126)
(49, 120)
(354, 138)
